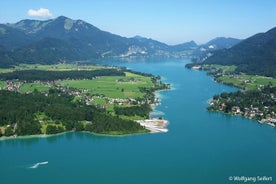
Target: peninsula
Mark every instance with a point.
(256, 99)
(50, 99)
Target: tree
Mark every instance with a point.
(53, 129)
(9, 131)
(28, 127)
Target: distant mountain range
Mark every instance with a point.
(254, 55)
(206, 50)
(66, 40)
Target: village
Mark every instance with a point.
(81, 94)
(266, 115)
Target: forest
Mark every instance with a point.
(41, 75)
(18, 113)
(142, 110)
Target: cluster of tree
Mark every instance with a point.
(41, 75)
(8, 131)
(106, 124)
(138, 73)
(18, 113)
(263, 100)
(54, 129)
(158, 84)
(142, 110)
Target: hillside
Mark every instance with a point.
(62, 40)
(66, 40)
(255, 55)
(204, 51)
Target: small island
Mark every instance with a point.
(50, 99)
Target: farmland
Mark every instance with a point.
(227, 75)
(114, 86)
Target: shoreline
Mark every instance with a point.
(239, 115)
(3, 138)
(42, 136)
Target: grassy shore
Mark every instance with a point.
(227, 75)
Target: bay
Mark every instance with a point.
(200, 147)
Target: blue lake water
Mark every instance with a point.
(200, 147)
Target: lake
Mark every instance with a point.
(200, 147)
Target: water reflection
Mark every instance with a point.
(22, 141)
(68, 136)
(94, 137)
(55, 138)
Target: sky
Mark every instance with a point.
(168, 21)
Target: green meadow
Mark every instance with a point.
(231, 68)
(57, 67)
(29, 87)
(243, 81)
(113, 86)
(2, 84)
(248, 82)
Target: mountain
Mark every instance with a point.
(221, 43)
(206, 50)
(183, 50)
(10, 37)
(66, 40)
(78, 33)
(254, 55)
(184, 46)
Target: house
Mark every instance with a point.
(236, 109)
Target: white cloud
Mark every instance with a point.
(42, 13)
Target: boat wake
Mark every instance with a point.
(38, 164)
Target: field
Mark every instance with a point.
(112, 87)
(228, 76)
(57, 67)
(30, 87)
(248, 82)
(219, 67)
(2, 84)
